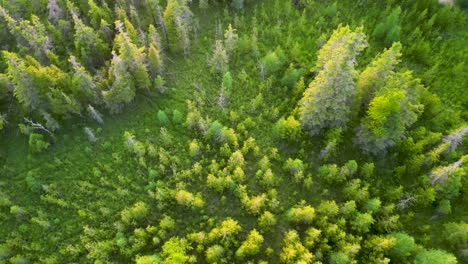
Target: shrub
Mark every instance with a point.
(301, 214)
(273, 61)
(37, 143)
(177, 117)
(288, 128)
(162, 118)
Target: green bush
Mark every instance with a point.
(37, 143)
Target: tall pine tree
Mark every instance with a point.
(328, 100)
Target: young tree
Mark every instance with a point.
(251, 246)
(128, 71)
(230, 39)
(328, 100)
(219, 60)
(434, 256)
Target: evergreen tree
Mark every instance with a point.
(30, 34)
(377, 73)
(178, 21)
(84, 88)
(155, 63)
(328, 100)
(219, 60)
(89, 47)
(55, 12)
(390, 113)
(127, 72)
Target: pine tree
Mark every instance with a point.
(25, 89)
(84, 88)
(376, 74)
(328, 100)
(55, 12)
(155, 63)
(98, 14)
(390, 113)
(128, 71)
(219, 60)
(30, 34)
(178, 21)
(88, 45)
(230, 39)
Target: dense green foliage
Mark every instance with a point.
(233, 131)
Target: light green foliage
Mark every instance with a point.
(435, 256)
(251, 246)
(267, 220)
(404, 245)
(293, 250)
(227, 81)
(339, 258)
(289, 128)
(135, 213)
(362, 222)
(227, 228)
(174, 251)
(390, 113)
(162, 118)
(301, 214)
(188, 199)
(273, 62)
(328, 100)
(374, 77)
(214, 253)
(37, 142)
(239, 181)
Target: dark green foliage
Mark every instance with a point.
(291, 76)
(389, 29)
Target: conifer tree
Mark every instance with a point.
(155, 63)
(84, 88)
(377, 73)
(219, 60)
(98, 14)
(328, 100)
(30, 34)
(230, 39)
(55, 12)
(178, 21)
(89, 46)
(390, 113)
(127, 72)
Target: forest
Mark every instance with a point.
(234, 131)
